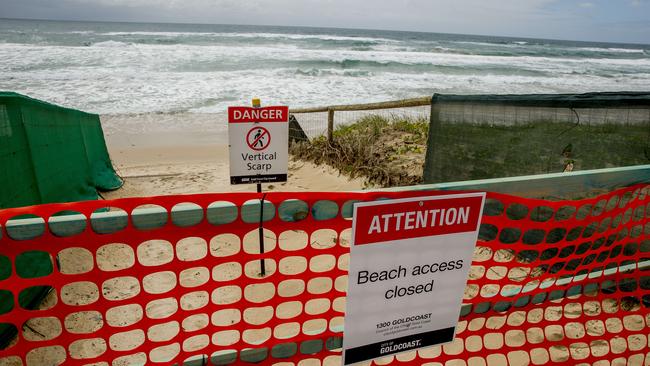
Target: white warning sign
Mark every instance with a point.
(259, 144)
(409, 262)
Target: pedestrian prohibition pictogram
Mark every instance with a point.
(258, 138)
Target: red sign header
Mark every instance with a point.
(413, 219)
(265, 114)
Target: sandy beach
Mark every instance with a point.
(190, 160)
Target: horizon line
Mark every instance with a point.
(321, 27)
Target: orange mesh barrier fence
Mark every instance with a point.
(177, 280)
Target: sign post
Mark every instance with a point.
(409, 262)
(259, 150)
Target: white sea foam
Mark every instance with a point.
(111, 44)
(119, 74)
(325, 37)
(612, 49)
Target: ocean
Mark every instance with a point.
(131, 68)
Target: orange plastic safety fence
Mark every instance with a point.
(176, 280)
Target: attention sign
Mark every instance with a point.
(259, 144)
(409, 263)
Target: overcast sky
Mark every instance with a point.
(593, 20)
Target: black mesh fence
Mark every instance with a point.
(493, 136)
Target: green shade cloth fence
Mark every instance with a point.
(495, 136)
(50, 154)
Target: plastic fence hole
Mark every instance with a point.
(221, 213)
(323, 239)
(52, 355)
(599, 207)
(347, 210)
(149, 217)
(291, 288)
(124, 315)
(285, 350)
(155, 253)
(126, 341)
(324, 210)
(226, 295)
(67, 223)
(583, 211)
(341, 283)
(259, 292)
(487, 232)
(256, 336)
(186, 214)
(226, 272)
(250, 211)
(120, 288)
(224, 245)
(292, 240)
(84, 322)
(492, 207)
(564, 213)
(108, 220)
(80, 293)
(87, 348)
(164, 354)
(541, 213)
(194, 277)
(252, 269)
(293, 210)
(251, 241)
(225, 338)
(139, 358)
(74, 260)
(509, 235)
(533, 236)
(319, 285)
(163, 332)
(159, 282)
(194, 300)
(162, 308)
(191, 249)
(517, 211)
(293, 265)
(626, 199)
(555, 235)
(115, 257)
(25, 227)
(258, 315)
(225, 317)
(254, 355)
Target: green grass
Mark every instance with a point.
(384, 151)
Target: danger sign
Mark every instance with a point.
(409, 263)
(259, 143)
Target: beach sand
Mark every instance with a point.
(192, 161)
